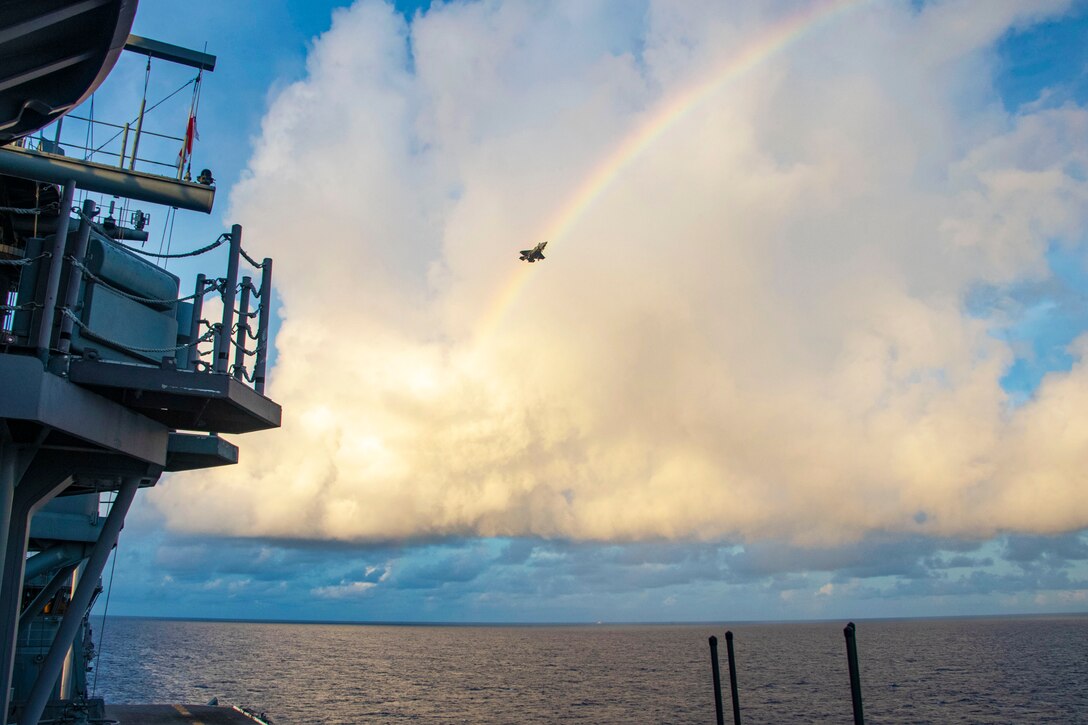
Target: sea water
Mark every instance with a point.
(975, 670)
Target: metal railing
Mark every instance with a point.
(235, 328)
(117, 147)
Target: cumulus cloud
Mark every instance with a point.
(758, 330)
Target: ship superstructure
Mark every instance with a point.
(110, 373)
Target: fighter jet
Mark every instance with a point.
(531, 255)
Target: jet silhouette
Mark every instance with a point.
(531, 255)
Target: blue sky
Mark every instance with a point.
(443, 164)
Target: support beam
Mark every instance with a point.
(171, 53)
(60, 578)
(8, 458)
(31, 493)
(104, 179)
(77, 608)
(54, 557)
(56, 262)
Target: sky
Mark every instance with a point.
(809, 341)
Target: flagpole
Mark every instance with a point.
(185, 154)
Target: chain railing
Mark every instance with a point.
(232, 331)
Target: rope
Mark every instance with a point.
(135, 298)
(132, 348)
(247, 353)
(217, 243)
(251, 260)
(17, 210)
(245, 375)
(25, 306)
(25, 262)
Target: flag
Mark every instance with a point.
(187, 146)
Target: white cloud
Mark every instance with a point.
(757, 330)
(343, 590)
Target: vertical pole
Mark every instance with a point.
(718, 712)
(194, 324)
(217, 340)
(222, 355)
(52, 286)
(136, 138)
(77, 608)
(124, 148)
(733, 677)
(56, 137)
(262, 325)
(31, 493)
(8, 457)
(75, 276)
(855, 675)
(243, 330)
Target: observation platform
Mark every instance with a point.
(180, 399)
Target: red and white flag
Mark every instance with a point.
(187, 147)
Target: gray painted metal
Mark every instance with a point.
(104, 179)
(55, 557)
(132, 273)
(134, 330)
(188, 452)
(194, 321)
(56, 263)
(243, 330)
(77, 608)
(222, 356)
(262, 326)
(180, 399)
(8, 459)
(50, 400)
(31, 493)
(179, 715)
(31, 610)
(172, 53)
(75, 276)
(58, 526)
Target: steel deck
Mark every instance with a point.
(176, 715)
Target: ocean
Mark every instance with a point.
(972, 670)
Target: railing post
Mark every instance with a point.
(855, 674)
(718, 712)
(262, 325)
(217, 343)
(75, 275)
(243, 330)
(222, 358)
(56, 261)
(194, 323)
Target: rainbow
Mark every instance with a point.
(664, 117)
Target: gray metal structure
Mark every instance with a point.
(103, 382)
